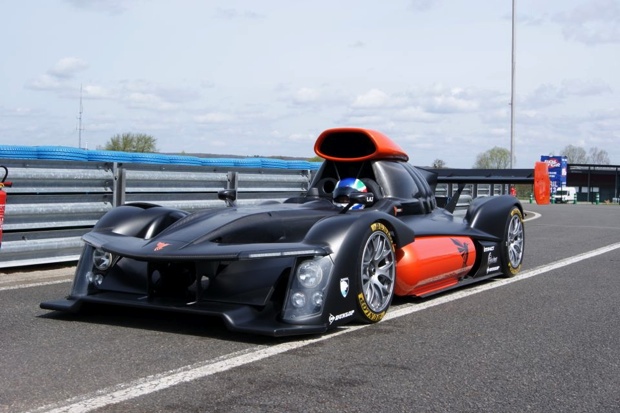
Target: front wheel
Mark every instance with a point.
(513, 243)
(376, 273)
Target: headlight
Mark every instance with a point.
(94, 279)
(298, 300)
(309, 274)
(102, 260)
(317, 298)
(307, 289)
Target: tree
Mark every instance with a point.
(575, 154)
(494, 158)
(598, 156)
(132, 142)
(439, 164)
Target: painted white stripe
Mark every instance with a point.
(151, 384)
(531, 215)
(17, 287)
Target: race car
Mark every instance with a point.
(368, 228)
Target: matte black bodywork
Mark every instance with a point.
(240, 263)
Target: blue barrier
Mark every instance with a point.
(18, 152)
(66, 153)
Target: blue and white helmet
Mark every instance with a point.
(344, 188)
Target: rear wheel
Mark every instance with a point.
(513, 243)
(376, 271)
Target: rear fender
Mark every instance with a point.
(489, 214)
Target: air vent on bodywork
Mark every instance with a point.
(356, 144)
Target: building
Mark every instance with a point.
(591, 180)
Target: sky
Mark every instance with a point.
(262, 78)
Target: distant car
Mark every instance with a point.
(367, 229)
(565, 195)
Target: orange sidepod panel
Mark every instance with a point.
(542, 185)
(357, 144)
(431, 264)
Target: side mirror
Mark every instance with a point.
(228, 195)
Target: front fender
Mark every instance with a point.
(140, 220)
(343, 234)
(336, 230)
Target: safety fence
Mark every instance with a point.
(53, 202)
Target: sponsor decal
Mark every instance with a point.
(160, 246)
(553, 163)
(491, 259)
(333, 318)
(463, 248)
(344, 286)
(489, 249)
(492, 269)
(370, 315)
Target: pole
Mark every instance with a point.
(80, 121)
(512, 89)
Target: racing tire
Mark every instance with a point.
(513, 243)
(376, 273)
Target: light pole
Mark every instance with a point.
(512, 90)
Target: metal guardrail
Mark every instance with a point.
(53, 203)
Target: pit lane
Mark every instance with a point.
(544, 341)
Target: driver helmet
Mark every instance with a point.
(346, 186)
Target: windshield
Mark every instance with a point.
(562, 192)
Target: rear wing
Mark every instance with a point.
(539, 177)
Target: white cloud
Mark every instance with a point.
(306, 95)
(148, 101)
(112, 7)
(98, 92)
(214, 117)
(228, 13)
(67, 67)
(584, 87)
(415, 114)
(58, 76)
(45, 82)
(302, 138)
(374, 98)
(453, 100)
(592, 22)
(550, 94)
(422, 5)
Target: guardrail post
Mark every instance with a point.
(306, 184)
(233, 180)
(119, 185)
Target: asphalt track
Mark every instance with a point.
(544, 341)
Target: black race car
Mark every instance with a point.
(368, 228)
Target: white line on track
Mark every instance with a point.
(40, 284)
(535, 215)
(151, 384)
